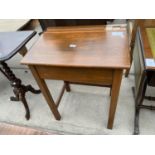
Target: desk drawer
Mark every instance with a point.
(85, 75)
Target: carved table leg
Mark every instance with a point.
(31, 89)
(19, 89)
(22, 98)
(16, 97)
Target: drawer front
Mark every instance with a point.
(85, 75)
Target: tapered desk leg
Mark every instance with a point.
(117, 78)
(44, 89)
(68, 89)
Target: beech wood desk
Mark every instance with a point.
(90, 55)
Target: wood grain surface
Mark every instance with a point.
(86, 46)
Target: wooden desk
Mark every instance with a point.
(144, 64)
(91, 55)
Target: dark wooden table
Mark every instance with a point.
(144, 67)
(10, 44)
(89, 55)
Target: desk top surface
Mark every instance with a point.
(12, 42)
(148, 40)
(87, 46)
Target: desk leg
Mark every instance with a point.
(117, 78)
(46, 93)
(68, 89)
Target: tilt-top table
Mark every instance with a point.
(90, 55)
(10, 44)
